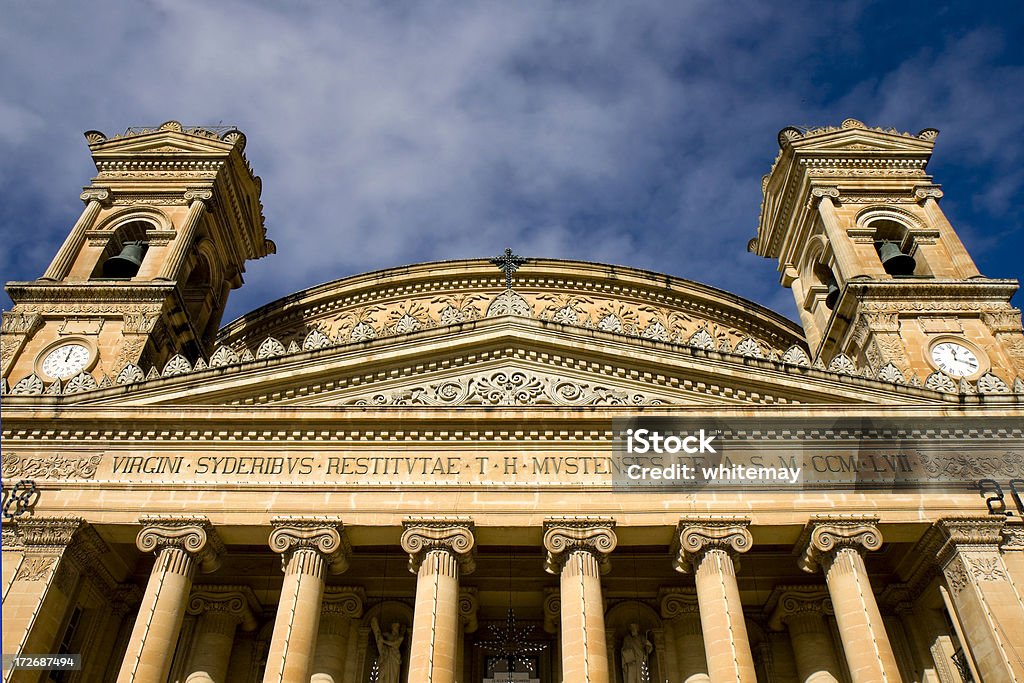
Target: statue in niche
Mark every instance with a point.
(635, 650)
(389, 647)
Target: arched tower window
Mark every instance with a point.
(896, 248)
(125, 250)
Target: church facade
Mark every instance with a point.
(417, 474)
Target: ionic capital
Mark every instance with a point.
(323, 535)
(237, 602)
(797, 601)
(454, 535)
(96, 194)
(198, 195)
(697, 535)
(922, 192)
(825, 535)
(344, 601)
(192, 533)
(678, 603)
(469, 605)
(566, 535)
(47, 534)
(819, 192)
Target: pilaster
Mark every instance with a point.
(986, 601)
(339, 608)
(680, 608)
(801, 611)
(220, 609)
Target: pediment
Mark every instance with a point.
(862, 139)
(507, 361)
(160, 142)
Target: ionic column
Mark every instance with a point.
(835, 544)
(849, 265)
(95, 198)
(577, 550)
(802, 613)
(439, 549)
(340, 607)
(309, 546)
(680, 607)
(221, 609)
(928, 196)
(990, 608)
(186, 234)
(182, 544)
(709, 547)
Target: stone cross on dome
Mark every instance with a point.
(508, 263)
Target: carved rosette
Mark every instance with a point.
(237, 604)
(824, 536)
(698, 535)
(454, 536)
(191, 533)
(566, 535)
(469, 606)
(322, 535)
(798, 601)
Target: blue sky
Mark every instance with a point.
(388, 133)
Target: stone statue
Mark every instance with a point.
(635, 649)
(389, 659)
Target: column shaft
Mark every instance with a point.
(813, 649)
(721, 615)
(60, 267)
(868, 652)
(180, 245)
(211, 650)
(435, 625)
(155, 634)
(331, 648)
(842, 248)
(690, 658)
(298, 618)
(584, 646)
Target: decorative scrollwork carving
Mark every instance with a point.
(938, 381)
(842, 365)
(323, 535)
(566, 535)
(191, 533)
(270, 348)
(28, 386)
(992, 384)
(828, 534)
(422, 535)
(83, 381)
(509, 302)
(679, 603)
(178, 365)
(224, 355)
(55, 466)
(697, 535)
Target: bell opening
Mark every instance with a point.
(894, 261)
(126, 264)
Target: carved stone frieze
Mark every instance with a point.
(48, 534)
(697, 535)
(323, 535)
(508, 387)
(827, 534)
(192, 533)
(423, 535)
(21, 323)
(566, 535)
(55, 466)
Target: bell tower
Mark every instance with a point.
(877, 271)
(170, 219)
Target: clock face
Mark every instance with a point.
(955, 359)
(66, 361)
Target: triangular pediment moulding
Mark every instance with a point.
(564, 382)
